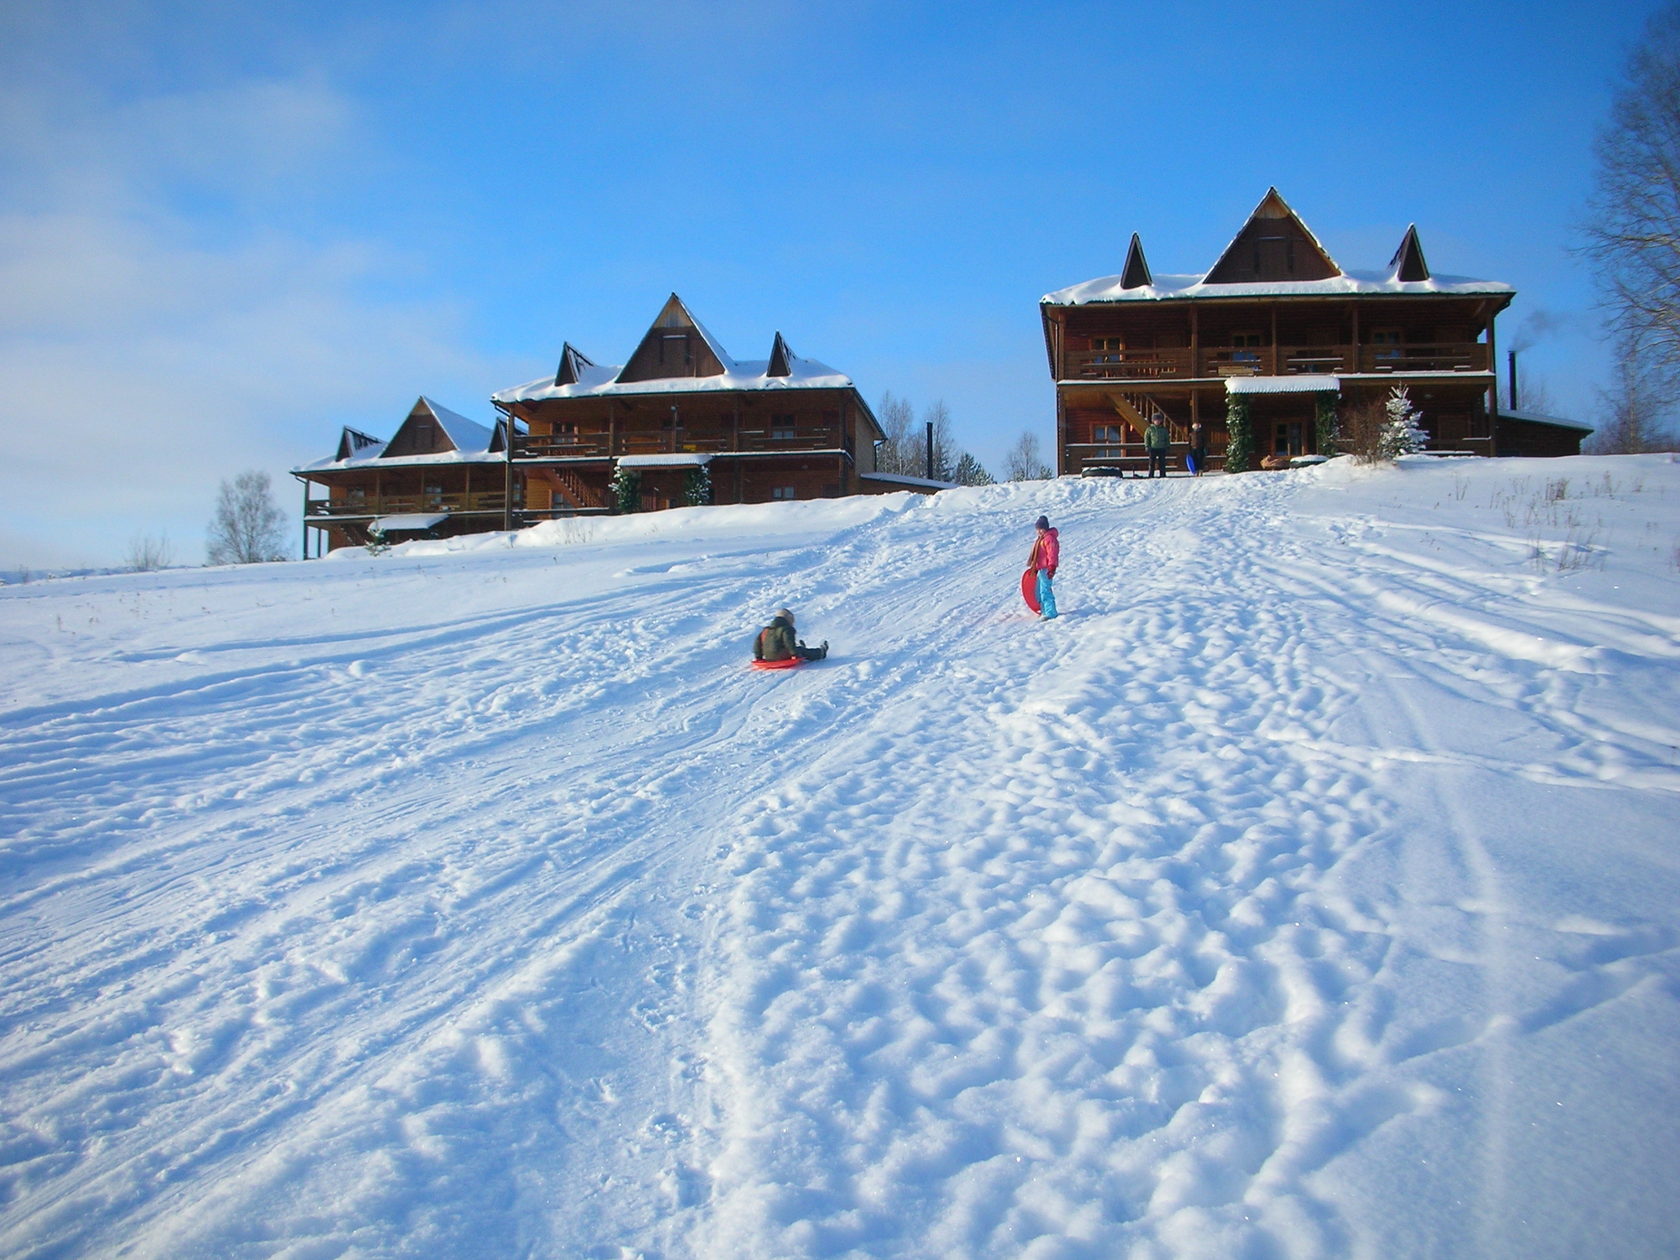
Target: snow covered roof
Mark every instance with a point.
(1538, 417)
(470, 443)
(413, 522)
(467, 435)
(679, 460)
(1111, 289)
(1298, 384)
(580, 378)
(1407, 273)
(901, 479)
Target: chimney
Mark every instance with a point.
(1511, 357)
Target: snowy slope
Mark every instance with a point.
(1308, 888)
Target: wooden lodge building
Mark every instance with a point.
(680, 410)
(1278, 335)
(440, 475)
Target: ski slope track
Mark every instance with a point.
(1308, 888)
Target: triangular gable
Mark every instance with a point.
(781, 359)
(676, 346)
(572, 363)
(431, 429)
(1408, 263)
(353, 442)
(1274, 245)
(1136, 274)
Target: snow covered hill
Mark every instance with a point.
(1309, 888)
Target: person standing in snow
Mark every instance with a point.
(776, 642)
(1156, 440)
(1198, 449)
(1046, 553)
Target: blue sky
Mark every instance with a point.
(227, 229)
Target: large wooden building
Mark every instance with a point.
(1278, 335)
(440, 475)
(680, 413)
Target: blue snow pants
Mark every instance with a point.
(1046, 596)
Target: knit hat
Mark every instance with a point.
(1043, 522)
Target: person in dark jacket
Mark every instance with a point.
(1157, 440)
(776, 642)
(1198, 456)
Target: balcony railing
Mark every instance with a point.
(408, 504)
(672, 442)
(1182, 364)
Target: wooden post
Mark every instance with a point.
(1493, 388)
(507, 472)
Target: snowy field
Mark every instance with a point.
(1310, 888)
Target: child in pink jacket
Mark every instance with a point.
(1046, 551)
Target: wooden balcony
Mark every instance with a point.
(678, 441)
(1212, 363)
(408, 504)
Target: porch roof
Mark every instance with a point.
(413, 521)
(1299, 383)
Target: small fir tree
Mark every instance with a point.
(971, 472)
(377, 543)
(697, 486)
(1329, 437)
(1239, 451)
(1402, 434)
(626, 489)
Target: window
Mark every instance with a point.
(781, 426)
(783, 492)
(1245, 347)
(1107, 436)
(1386, 342)
(1108, 349)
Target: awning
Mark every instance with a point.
(1300, 383)
(413, 523)
(676, 459)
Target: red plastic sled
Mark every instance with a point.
(1029, 589)
(792, 662)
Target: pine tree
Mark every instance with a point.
(697, 486)
(1402, 435)
(626, 490)
(971, 472)
(1329, 436)
(1239, 451)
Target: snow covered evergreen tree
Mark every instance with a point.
(1402, 434)
(697, 486)
(626, 490)
(1239, 451)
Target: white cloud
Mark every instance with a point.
(161, 330)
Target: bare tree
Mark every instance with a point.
(897, 419)
(1638, 411)
(246, 527)
(1022, 462)
(147, 552)
(1634, 231)
(945, 451)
